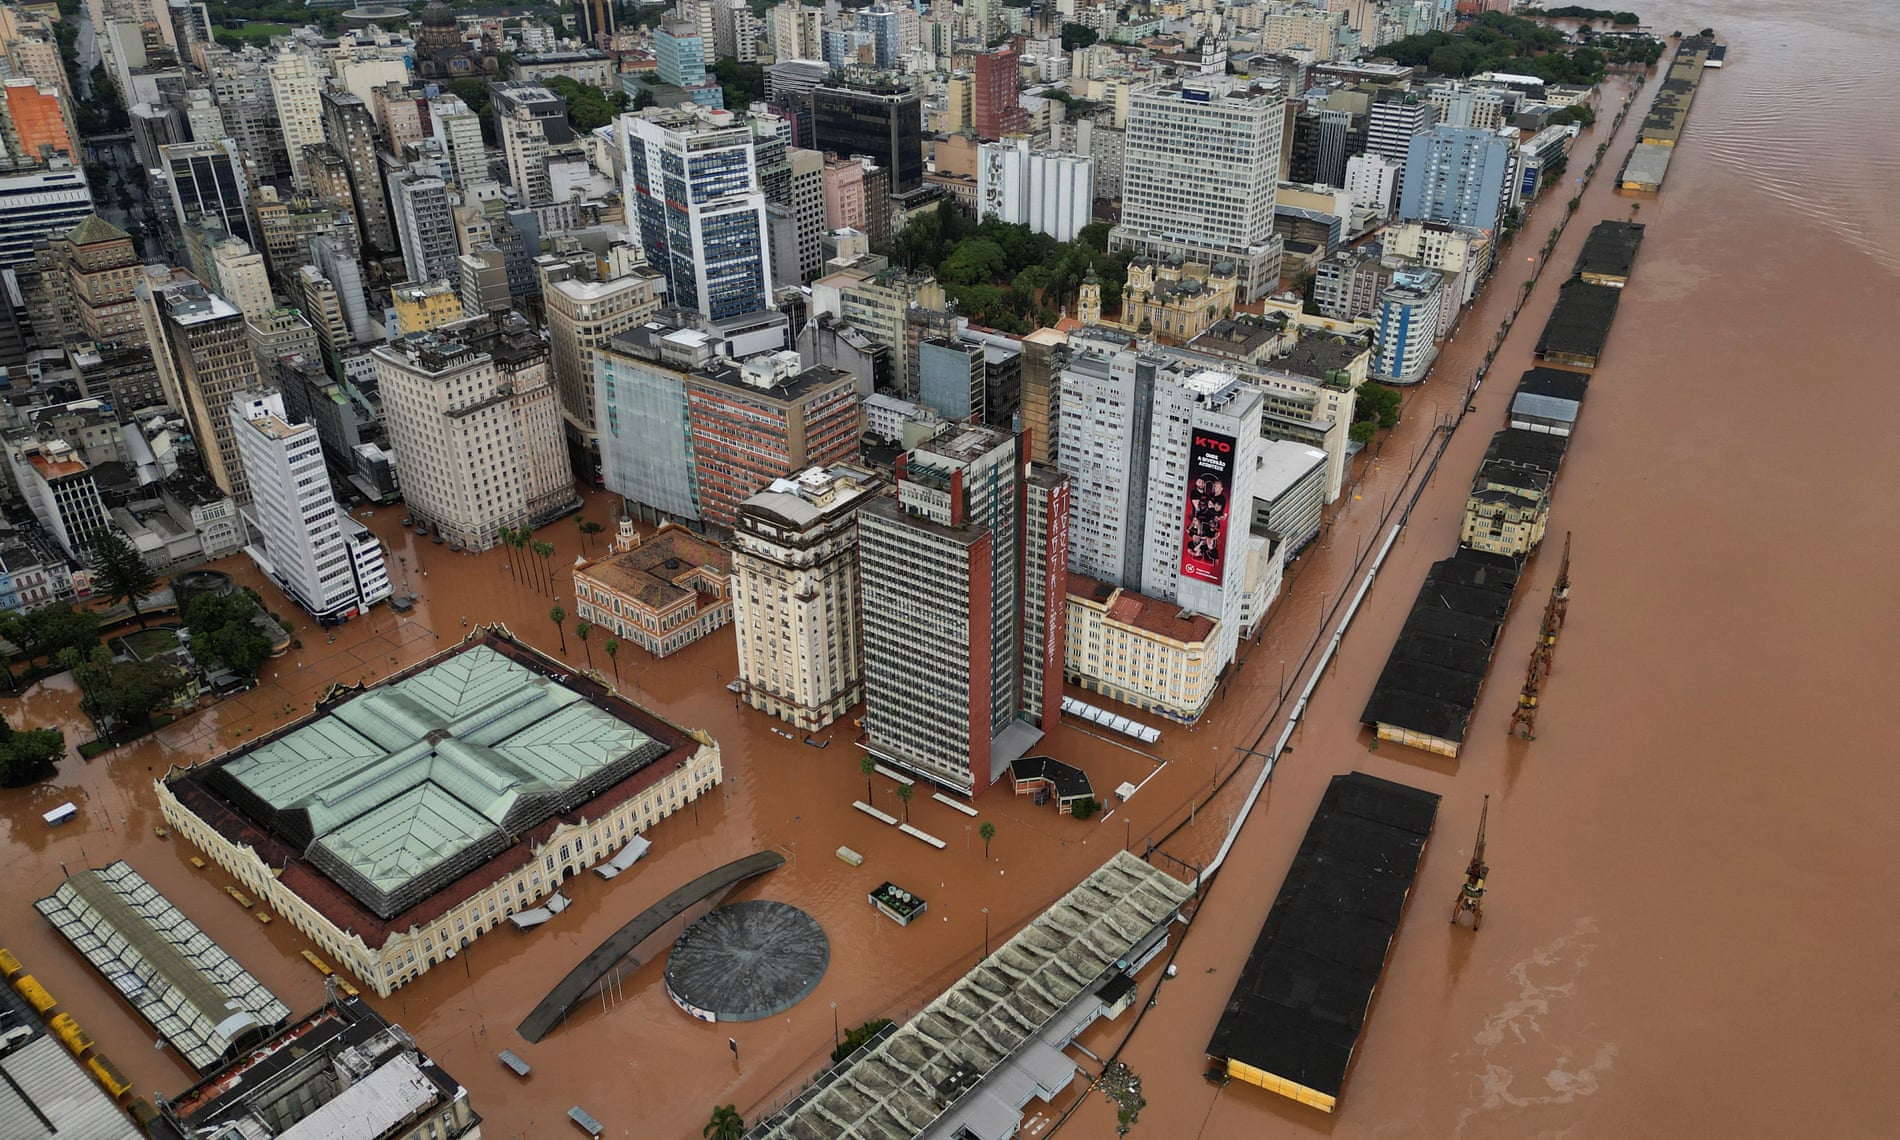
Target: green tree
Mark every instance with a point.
(904, 793)
(987, 831)
(546, 551)
(742, 83)
(978, 261)
(588, 106)
(48, 629)
(642, 99)
(1077, 36)
(558, 616)
(506, 536)
(224, 628)
(581, 630)
(726, 1124)
(123, 692)
(1095, 236)
(613, 658)
(30, 755)
(119, 570)
(867, 764)
(589, 528)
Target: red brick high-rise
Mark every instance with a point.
(996, 95)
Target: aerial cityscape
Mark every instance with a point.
(945, 569)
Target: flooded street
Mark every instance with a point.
(1695, 890)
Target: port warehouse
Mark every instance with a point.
(1648, 161)
(1429, 688)
(74, 1091)
(1299, 1008)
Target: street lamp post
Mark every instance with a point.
(986, 932)
(834, 1026)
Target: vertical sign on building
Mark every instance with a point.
(1210, 479)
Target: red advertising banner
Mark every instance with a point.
(1210, 479)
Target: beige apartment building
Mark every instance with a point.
(583, 315)
(204, 358)
(795, 595)
(479, 439)
(1141, 651)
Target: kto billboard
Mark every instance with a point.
(1210, 483)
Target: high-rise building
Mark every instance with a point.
(883, 119)
(238, 275)
(38, 200)
(762, 420)
(1372, 182)
(796, 31)
(596, 21)
(735, 31)
(530, 120)
(1045, 355)
(1161, 452)
(90, 273)
(1211, 200)
(351, 129)
(1050, 193)
(296, 84)
(880, 22)
(1457, 175)
(679, 54)
(996, 94)
(468, 434)
(1408, 315)
(696, 208)
(459, 130)
(1391, 122)
(36, 116)
(795, 605)
(276, 334)
(804, 208)
(954, 668)
(646, 454)
(58, 486)
(421, 210)
(241, 88)
(583, 316)
(329, 563)
(204, 360)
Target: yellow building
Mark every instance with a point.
(1175, 300)
(1139, 650)
(398, 823)
(662, 593)
(425, 305)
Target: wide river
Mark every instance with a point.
(1694, 920)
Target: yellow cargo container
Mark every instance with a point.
(109, 1076)
(33, 992)
(9, 965)
(69, 1032)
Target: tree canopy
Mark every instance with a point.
(29, 755)
(49, 629)
(1498, 42)
(743, 83)
(224, 628)
(1008, 277)
(588, 106)
(124, 693)
(1077, 36)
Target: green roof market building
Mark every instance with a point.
(399, 822)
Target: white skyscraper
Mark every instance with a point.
(1199, 175)
(296, 84)
(420, 209)
(1161, 453)
(460, 131)
(329, 563)
(1050, 193)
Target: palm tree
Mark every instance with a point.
(904, 792)
(519, 539)
(867, 764)
(591, 528)
(613, 658)
(581, 630)
(546, 551)
(558, 615)
(988, 832)
(726, 1124)
(507, 536)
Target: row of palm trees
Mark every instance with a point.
(583, 629)
(521, 539)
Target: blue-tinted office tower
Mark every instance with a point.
(679, 53)
(696, 208)
(880, 22)
(1457, 175)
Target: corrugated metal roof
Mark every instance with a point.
(42, 1083)
(372, 1106)
(1545, 407)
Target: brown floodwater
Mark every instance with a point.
(1693, 899)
